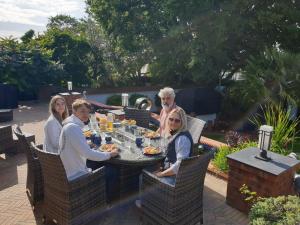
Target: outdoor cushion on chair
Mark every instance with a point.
(195, 127)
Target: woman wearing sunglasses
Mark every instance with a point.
(180, 144)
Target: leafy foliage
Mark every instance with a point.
(276, 211)
(114, 100)
(273, 75)
(220, 159)
(285, 129)
(27, 66)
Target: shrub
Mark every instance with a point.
(234, 138)
(134, 97)
(276, 211)
(285, 129)
(220, 159)
(114, 100)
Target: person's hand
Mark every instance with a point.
(159, 174)
(114, 153)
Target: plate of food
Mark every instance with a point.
(151, 134)
(150, 150)
(128, 122)
(108, 147)
(87, 133)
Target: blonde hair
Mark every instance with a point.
(53, 111)
(80, 102)
(181, 113)
(167, 91)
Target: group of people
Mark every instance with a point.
(64, 136)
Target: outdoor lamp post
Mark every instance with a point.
(124, 99)
(264, 142)
(69, 86)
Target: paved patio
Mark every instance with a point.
(15, 207)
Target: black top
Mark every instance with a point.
(171, 152)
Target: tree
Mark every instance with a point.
(26, 66)
(277, 74)
(196, 41)
(27, 37)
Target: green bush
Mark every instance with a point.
(134, 97)
(114, 100)
(275, 115)
(276, 211)
(220, 159)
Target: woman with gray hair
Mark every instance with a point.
(180, 144)
(167, 96)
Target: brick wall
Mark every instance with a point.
(263, 183)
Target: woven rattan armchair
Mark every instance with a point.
(34, 183)
(70, 202)
(6, 140)
(181, 203)
(195, 127)
(141, 116)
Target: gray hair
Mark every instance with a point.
(167, 91)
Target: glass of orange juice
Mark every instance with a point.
(103, 123)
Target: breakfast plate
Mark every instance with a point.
(108, 147)
(150, 150)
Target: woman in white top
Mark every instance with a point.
(58, 112)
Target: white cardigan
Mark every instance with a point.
(52, 129)
(74, 150)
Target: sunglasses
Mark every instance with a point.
(174, 119)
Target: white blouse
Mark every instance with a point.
(182, 148)
(52, 130)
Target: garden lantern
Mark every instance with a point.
(264, 142)
(124, 99)
(70, 86)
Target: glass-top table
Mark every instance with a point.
(130, 153)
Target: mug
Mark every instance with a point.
(139, 141)
(108, 139)
(96, 139)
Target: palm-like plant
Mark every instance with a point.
(285, 129)
(276, 74)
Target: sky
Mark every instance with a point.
(19, 16)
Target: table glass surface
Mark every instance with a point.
(129, 152)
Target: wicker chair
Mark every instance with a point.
(70, 202)
(141, 116)
(34, 183)
(195, 127)
(181, 203)
(6, 140)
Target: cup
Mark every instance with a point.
(108, 139)
(96, 139)
(139, 141)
